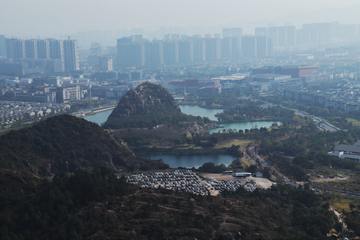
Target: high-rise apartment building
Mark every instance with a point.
(56, 48)
(226, 50)
(129, 52)
(290, 35)
(235, 34)
(15, 48)
(261, 46)
(31, 50)
(248, 46)
(2, 46)
(153, 53)
(212, 49)
(235, 47)
(185, 51)
(270, 47)
(43, 49)
(198, 49)
(170, 52)
(273, 33)
(71, 55)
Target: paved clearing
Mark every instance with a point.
(263, 182)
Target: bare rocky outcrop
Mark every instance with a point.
(148, 105)
(140, 99)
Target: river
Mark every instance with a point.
(190, 161)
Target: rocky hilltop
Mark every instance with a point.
(64, 143)
(145, 106)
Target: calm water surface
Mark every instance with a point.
(199, 111)
(100, 117)
(194, 110)
(190, 161)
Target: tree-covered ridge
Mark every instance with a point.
(153, 116)
(148, 105)
(63, 143)
(98, 205)
(250, 110)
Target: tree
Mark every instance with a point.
(252, 169)
(352, 206)
(214, 140)
(189, 141)
(177, 141)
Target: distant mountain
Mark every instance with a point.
(146, 106)
(64, 143)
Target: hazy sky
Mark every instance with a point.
(24, 18)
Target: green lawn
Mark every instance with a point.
(354, 121)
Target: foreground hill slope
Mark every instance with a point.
(63, 143)
(98, 205)
(146, 106)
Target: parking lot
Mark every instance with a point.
(192, 182)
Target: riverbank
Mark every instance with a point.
(93, 112)
(103, 109)
(256, 120)
(202, 105)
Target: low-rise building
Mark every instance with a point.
(347, 151)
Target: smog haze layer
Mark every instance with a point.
(42, 18)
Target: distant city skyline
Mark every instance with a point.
(30, 19)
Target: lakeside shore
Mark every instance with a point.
(202, 105)
(93, 112)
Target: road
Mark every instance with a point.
(319, 122)
(262, 164)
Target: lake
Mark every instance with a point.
(190, 161)
(100, 117)
(194, 110)
(244, 125)
(199, 111)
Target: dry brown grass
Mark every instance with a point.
(230, 142)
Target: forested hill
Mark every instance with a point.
(64, 143)
(98, 205)
(146, 106)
